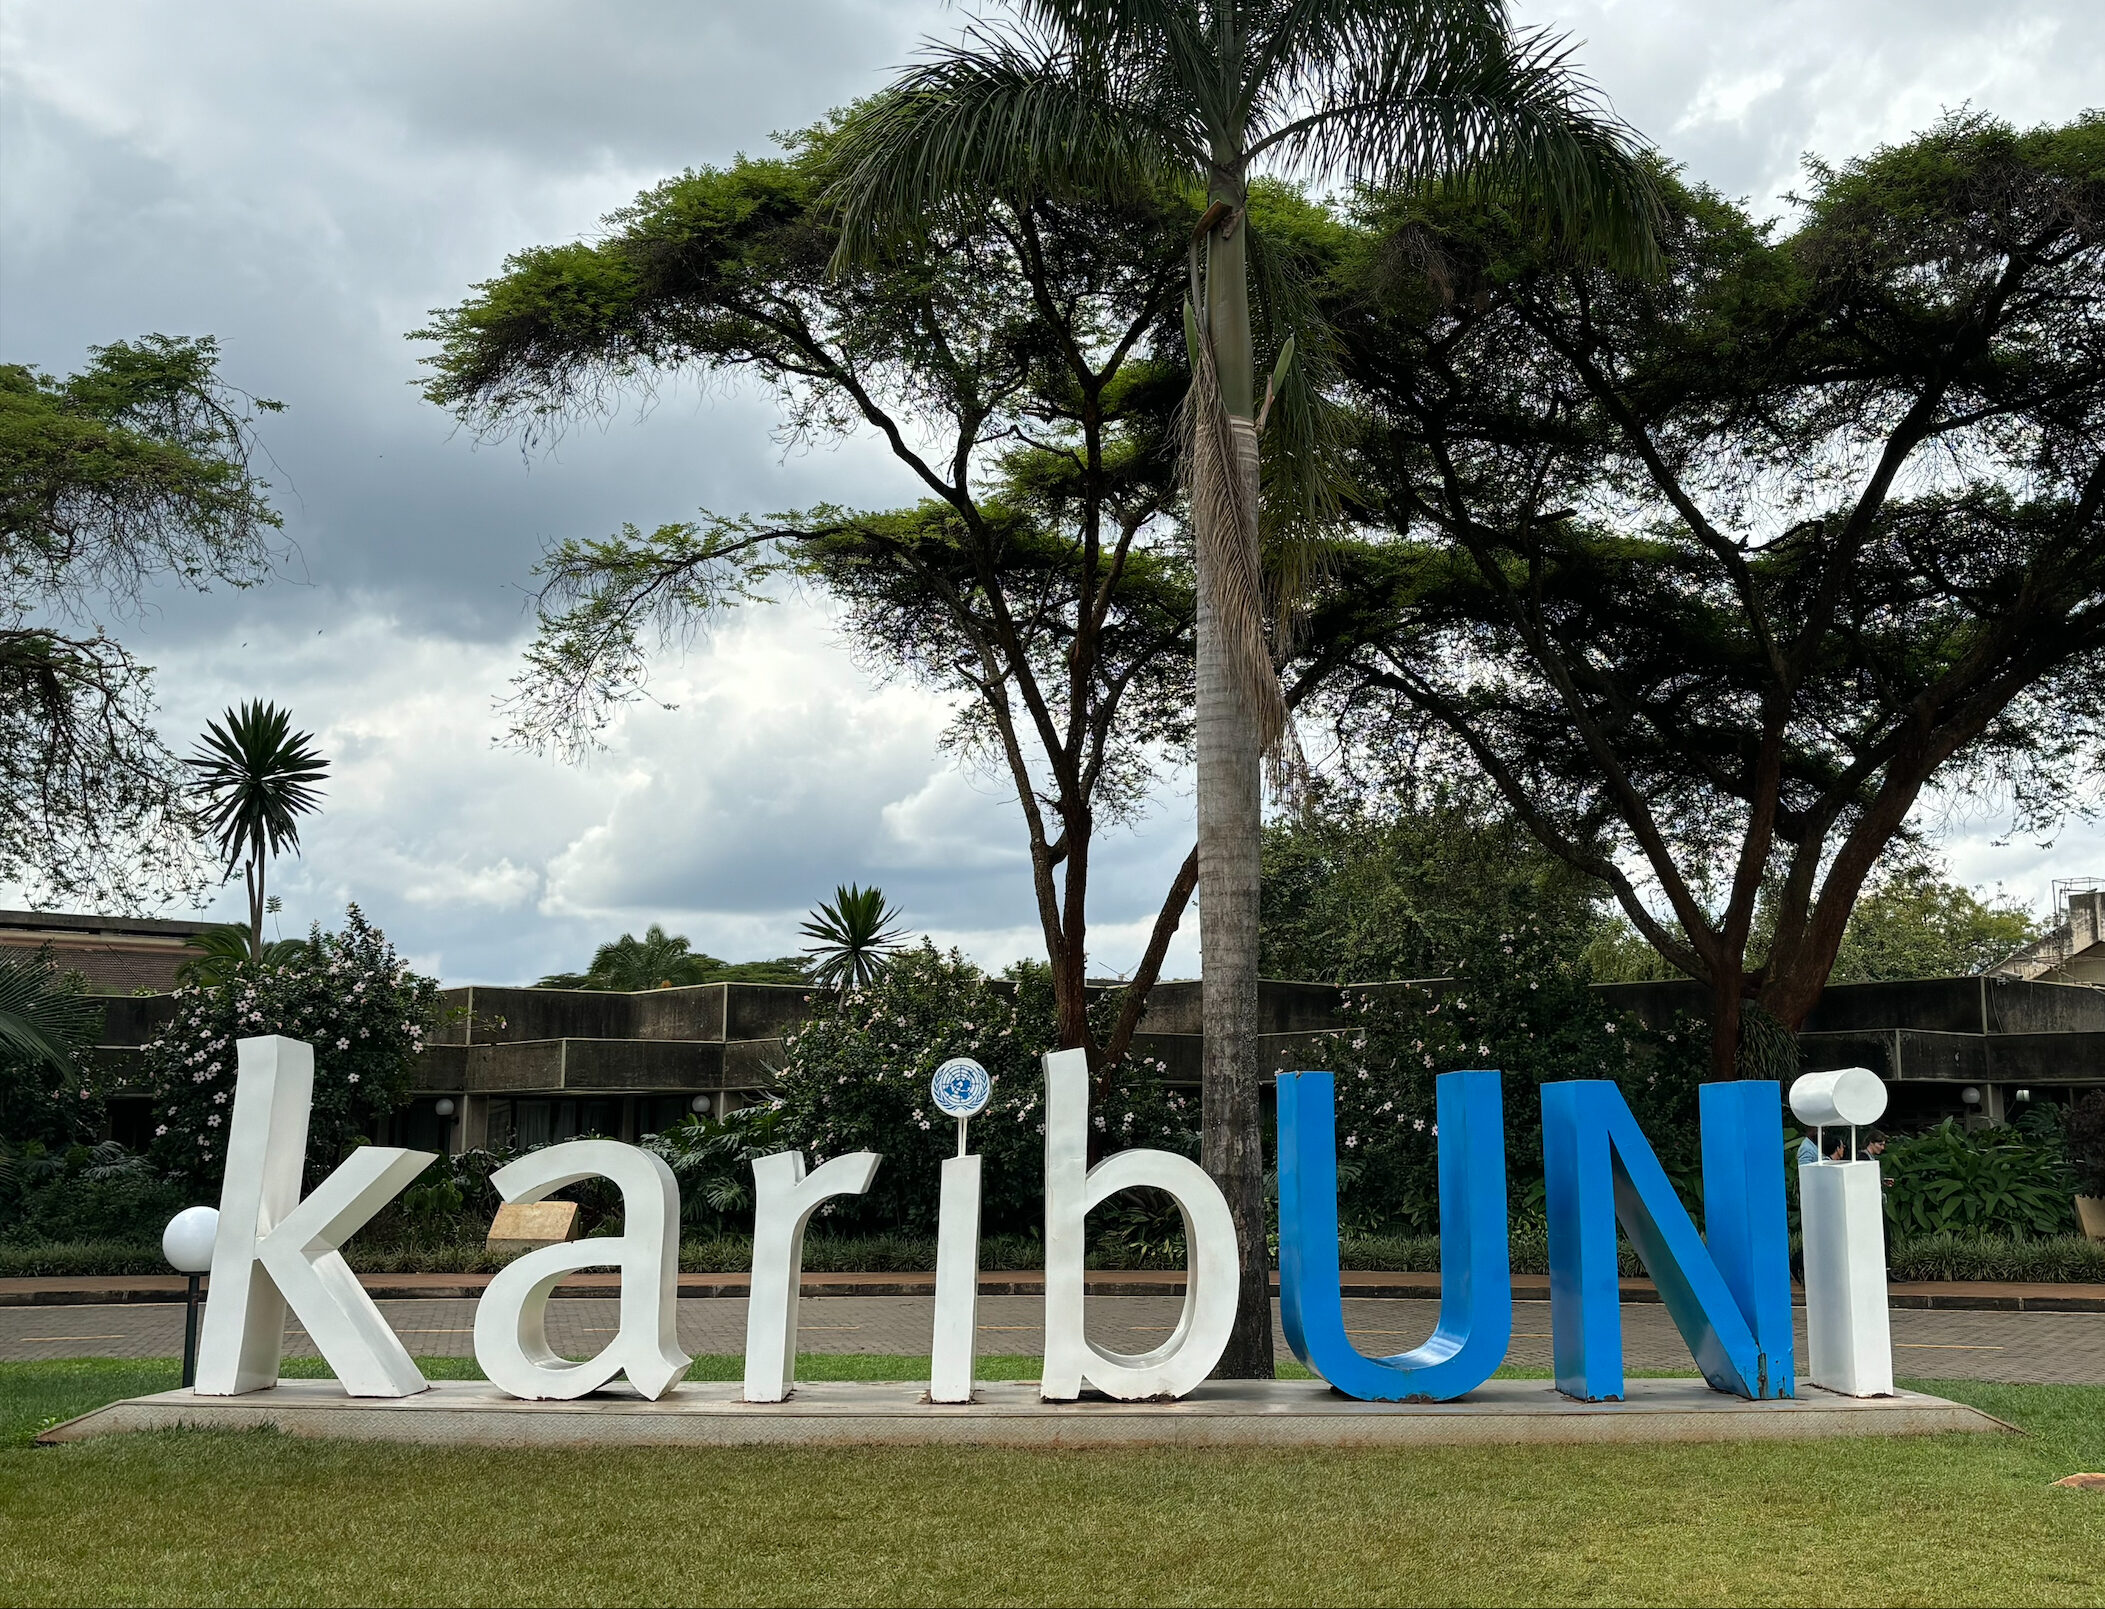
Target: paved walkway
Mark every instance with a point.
(2048, 1348)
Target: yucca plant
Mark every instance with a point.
(855, 938)
(257, 776)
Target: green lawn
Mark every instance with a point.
(195, 1517)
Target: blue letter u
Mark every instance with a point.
(1476, 1287)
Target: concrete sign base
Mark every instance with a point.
(1282, 1413)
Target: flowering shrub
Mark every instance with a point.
(347, 994)
(1518, 1002)
(857, 1078)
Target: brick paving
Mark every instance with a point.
(2045, 1348)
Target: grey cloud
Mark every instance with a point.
(306, 181)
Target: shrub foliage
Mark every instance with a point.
(348, 994)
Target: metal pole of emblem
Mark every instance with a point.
(190, 1333)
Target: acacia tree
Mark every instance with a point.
(1713, 575)
(1021, 364)
(1146, 99)
(135, 472)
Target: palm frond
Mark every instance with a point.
(854, 937)
(258, 777)
(1221, 464)
(1003, 113)
(224, 947)
(1482, 112)
(39, 1019)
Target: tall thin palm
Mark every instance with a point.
(855, 937)
(258, 778)
(1129, 98)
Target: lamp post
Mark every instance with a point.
(187, 1244)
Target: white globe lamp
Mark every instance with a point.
(187, 1244)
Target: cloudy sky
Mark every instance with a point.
(304, 182)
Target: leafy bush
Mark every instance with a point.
(347, 994)
(2085, 1139)
(1520, 1003)
(86, 1193)
(1981, 1182)
(2056, 1259)
(81, 1259)
(857, 1078)
(713, 1160)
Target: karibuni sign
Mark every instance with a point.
(278, 1255)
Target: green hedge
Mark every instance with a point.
(2063, 1259)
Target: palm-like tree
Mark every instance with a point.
(1124, 98)
(221, 950)
(855, 937)
(40, 1019)
(658, 960)
(257, 776)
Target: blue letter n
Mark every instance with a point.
(1730, 1300)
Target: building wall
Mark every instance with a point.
(117, 955)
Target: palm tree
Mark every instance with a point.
(658, 960)
(223, 947)
(257, 776)
(855, 938)
(1153, 98)
(40, 1019)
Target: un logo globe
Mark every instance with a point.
(961, 1087)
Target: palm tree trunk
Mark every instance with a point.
(253, 876)
(1230, 826)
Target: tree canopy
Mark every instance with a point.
(662, 960)
(1713, 574)
(1022, 363)
(136, 472)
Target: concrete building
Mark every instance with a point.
(116, 954)
(2073, 952)
(515, 1067)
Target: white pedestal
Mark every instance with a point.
(957, 1283)
(1849, 1340)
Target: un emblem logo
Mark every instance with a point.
(961, 1087)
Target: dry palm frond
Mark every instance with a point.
(1220, 467)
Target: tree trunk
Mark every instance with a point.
(1230, 828)
(1725, 1012)
(253, 875)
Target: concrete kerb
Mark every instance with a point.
(1281, 1413)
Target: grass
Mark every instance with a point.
(257, 1517)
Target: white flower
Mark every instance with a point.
(213, 1119)
(163, 1129)
(342, 1043)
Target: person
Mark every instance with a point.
(1808, 1152)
